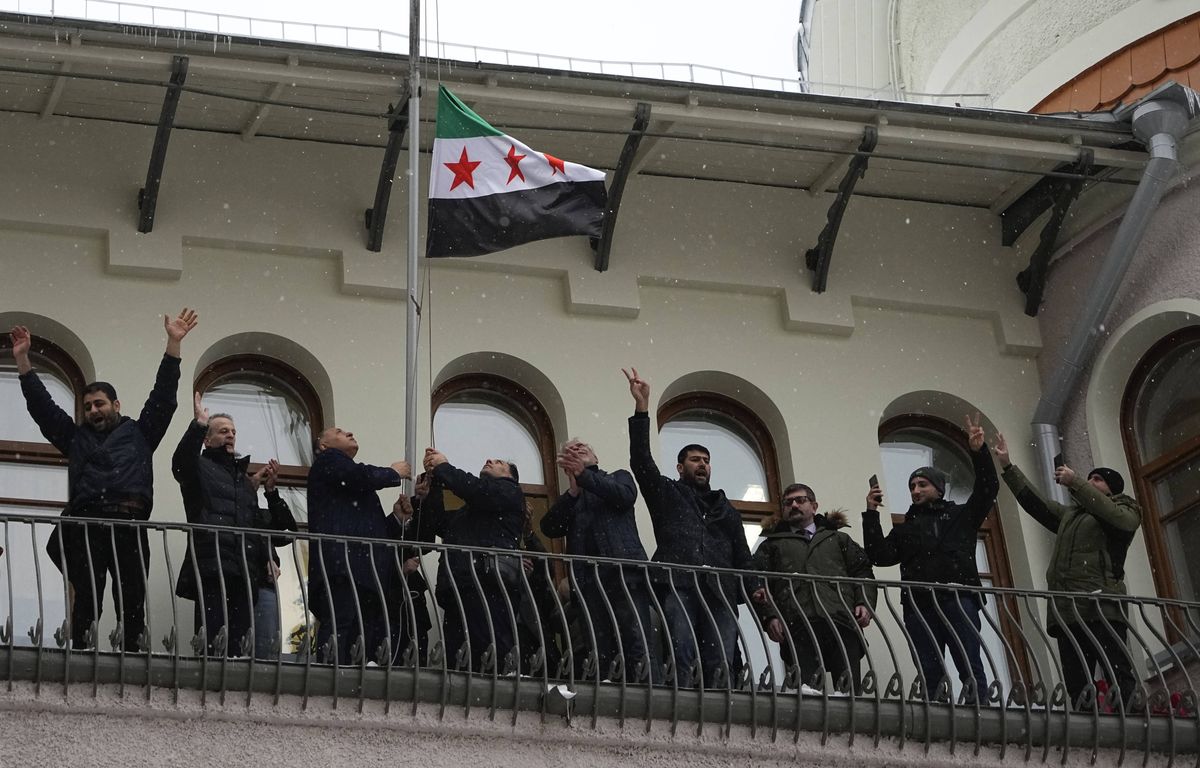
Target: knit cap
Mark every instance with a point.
(934, 475)
(1116, 483)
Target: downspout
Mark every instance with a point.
(1158, 121)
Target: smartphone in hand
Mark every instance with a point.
(873, 483)
(1058, 461)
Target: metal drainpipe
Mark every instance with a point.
(1158, 121)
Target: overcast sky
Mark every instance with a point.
(755, 36)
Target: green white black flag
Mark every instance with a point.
(488, 191)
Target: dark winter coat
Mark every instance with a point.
(343, 500)
(692, 526)
(493, 516)
(599, 521)
(936, 541)
(1093, 536)
(114, 466)
(217, 491)
(830, 552)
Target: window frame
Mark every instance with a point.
(1145, 474)
(45, 354)
(290, 475)
(752, 512)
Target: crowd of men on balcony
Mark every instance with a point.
(641, 623)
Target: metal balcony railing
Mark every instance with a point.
(513, 631)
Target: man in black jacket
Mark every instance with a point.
(351, 584)
(233, 566)
(493, 516)
(110, 475)
(596, 515)
(694, 524)
(936, 543)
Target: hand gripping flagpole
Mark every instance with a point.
(413, 321)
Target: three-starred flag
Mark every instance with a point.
(488, 191)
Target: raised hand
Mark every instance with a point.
(1000, 450)
(874, 498)
(403, 468)
(975, 434)
(20, 338)
(21, 341)
(1064, 475)
(639, 388)
(421, 487)
(178, 328)
(433, 457)
(270, 474)
(571, 463)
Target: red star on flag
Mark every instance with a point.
(463, 169)
(514, 164)
(556, 165)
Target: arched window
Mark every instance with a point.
(477, 417)
(277, 414)
(911, 441)
(743, 455)
(33, 482)
(1160, 422)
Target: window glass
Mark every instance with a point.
(905, 450)
(33, 482)
(470, 432)
(15, 421)
(271, 421)
(25, 559)
(736, 465)
(1168, 407)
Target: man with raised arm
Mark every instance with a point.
(493, 516)
(694, 524)
(1093, 534)
(110, 475)
(352, 583)
(936, 543)
(233, 566)
(597, 517)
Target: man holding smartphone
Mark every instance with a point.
(936, 543)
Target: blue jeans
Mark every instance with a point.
(717, 637)
(932, 632)
(266, 623)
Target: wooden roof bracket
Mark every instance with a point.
(1032, 279)
(148, 195)
(375, 217)
(818, 258)
(603, 246)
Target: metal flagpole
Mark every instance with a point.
(413, 323)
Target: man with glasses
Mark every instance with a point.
(818, 623)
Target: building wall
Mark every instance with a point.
(1160, 293)
(1014, 51)
(707, 289)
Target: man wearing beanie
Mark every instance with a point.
(936, 543)
(1094, 533)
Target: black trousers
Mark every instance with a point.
(358, 613)
(86, 555)
(841, 653)
(233, 610)
(1078, 670)
(488, 620)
